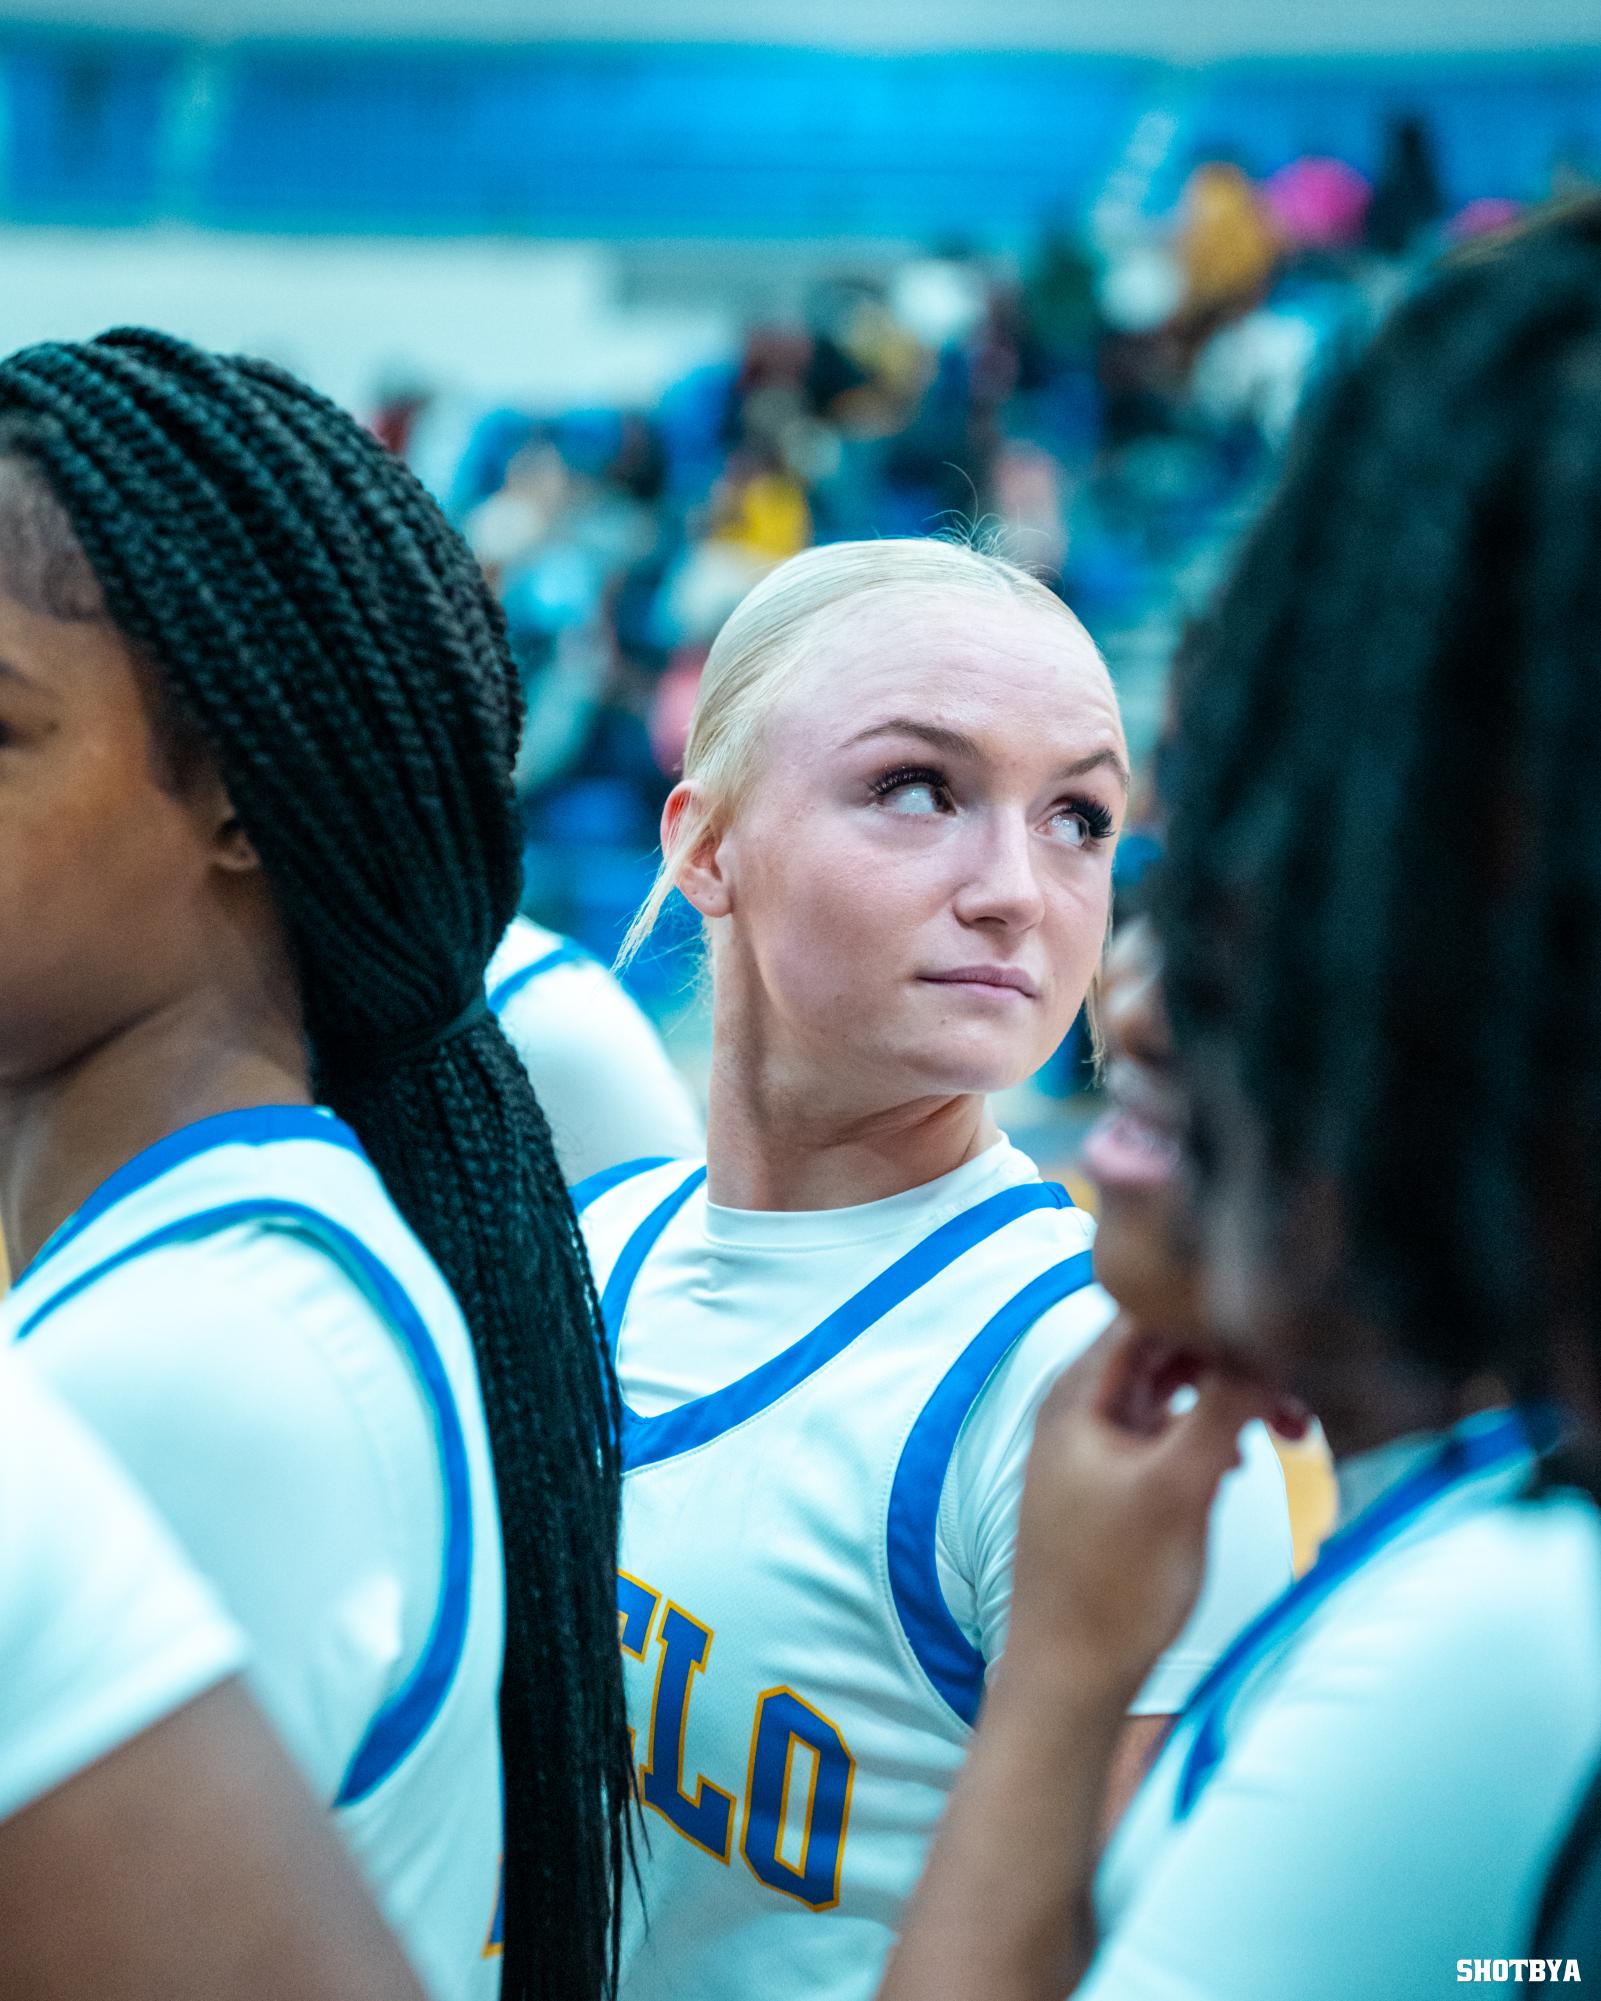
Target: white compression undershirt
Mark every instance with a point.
(104, 1628)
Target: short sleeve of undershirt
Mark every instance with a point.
(104, 1628)
(258, 1398)
(1249, 1561)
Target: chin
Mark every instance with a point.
(1137, 1264)
(963, 1070)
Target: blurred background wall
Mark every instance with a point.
(667, 133)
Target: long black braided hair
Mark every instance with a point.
(311, 614)
(1382, 908)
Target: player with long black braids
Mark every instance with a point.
(257, 846)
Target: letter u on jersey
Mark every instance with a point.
(797, 1799)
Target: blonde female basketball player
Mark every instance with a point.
(902, 790)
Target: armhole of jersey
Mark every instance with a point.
(403, 1720)
(594, 1185)
(953, 1665)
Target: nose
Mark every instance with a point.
(1002, 886)
(1131, 996)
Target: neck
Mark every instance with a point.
(61, 1135)
(776, 1144)
(1393, 1401)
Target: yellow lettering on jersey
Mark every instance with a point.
(636, 1609)
(800, 1854)
(495, 1943)
(707, 1818)
(783, 1720)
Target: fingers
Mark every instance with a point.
(1139, 1373)
(1203, 1443)
(1101, 1380)
(1124, 1394)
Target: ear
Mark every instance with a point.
(702, 878)
(232, 849)
(236, 851)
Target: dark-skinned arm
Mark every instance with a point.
(189, 1864)
(1110, 1558)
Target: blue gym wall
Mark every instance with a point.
(621, 141)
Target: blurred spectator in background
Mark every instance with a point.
(1317, 204)
(1060, 300)
(759, 507)
(395, 419)
(508, 527)
(1486, 217)
(1227, 245)
(1407, 201)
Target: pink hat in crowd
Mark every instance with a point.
(1318, 203)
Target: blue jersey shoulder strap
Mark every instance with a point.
(400, 1724)
(594, 1185)
(506, 990)
(649, 1439)
(949, 1659)
(253, 1125)
(641, 1242)
(1463, 1456)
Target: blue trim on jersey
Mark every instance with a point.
(595, 1185)
(1463, 1456)
(258, 1125)
(649, 1439)
(620, 1281)
(944, 1652)
(401, 1722)
(507, 989)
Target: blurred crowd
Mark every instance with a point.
(1109, 406)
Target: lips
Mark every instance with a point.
(1010, 979)
(1136, 1145)
(1120, 1151)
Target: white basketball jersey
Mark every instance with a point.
(607, 1086)
(799, 1718)
(1367, 1793)
(419, 1798)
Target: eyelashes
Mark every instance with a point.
(1094, 815)
(910, 774)
(1098, 818)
